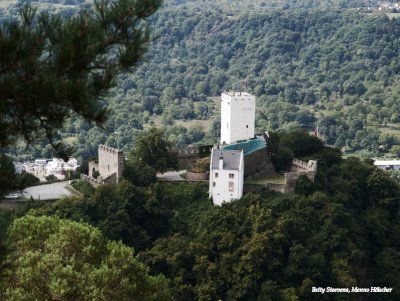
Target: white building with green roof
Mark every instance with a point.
(226, 175)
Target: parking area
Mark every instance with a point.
(47, 192)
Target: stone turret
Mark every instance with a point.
(110, 165)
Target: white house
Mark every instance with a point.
(238, 111)
(58, 167)
(387, 164)
(226, 175)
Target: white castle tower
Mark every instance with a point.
(238, 110)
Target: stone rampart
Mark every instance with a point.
(94, 182)
(188, 155)
(258, 165)
(197, 176)
(93, 166)
(309, 169)
(192, 151)
(299, 168)
(277, 187)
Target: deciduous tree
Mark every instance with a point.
(55, 259)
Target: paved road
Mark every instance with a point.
(171, 176)
(47, 192)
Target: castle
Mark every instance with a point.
(242, 154)
(227, 165)
(109, 166)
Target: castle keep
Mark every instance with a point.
(238, 111)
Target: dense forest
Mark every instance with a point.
(335, 68)
(317, 64)
(341, 231)
(69, 6)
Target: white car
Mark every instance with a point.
(12, 196)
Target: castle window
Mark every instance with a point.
(216, 175)
(213, 184)
(231, 186)
(247, 126)
(231, 176)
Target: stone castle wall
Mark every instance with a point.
(258, 165)
(299, 168)
(93, 166)
(94, 182)
(197, 176)
(110, 165)
(309, 169)
(111, 160)
(188, 155)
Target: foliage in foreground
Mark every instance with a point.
(53, 68)
(53, 259)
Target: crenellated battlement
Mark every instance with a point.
(238, 111)
(311, 165)
(109, 149)
(236, 96)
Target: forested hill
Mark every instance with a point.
(276, 4)
(337, 68)
(226, 4)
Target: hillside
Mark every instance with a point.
(226, 4)
(335, 68)
(338, 69)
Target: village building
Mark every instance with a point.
(60, 168)
(387, 164)
(57, 167)
(226, 175)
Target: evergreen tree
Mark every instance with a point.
(52, 68)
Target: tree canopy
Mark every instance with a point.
(153, 149)
(53, 259)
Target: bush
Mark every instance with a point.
(201, 165)
(26, 179)
(51, 179)
(282, 160)
(84, 187)
(139, 173)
